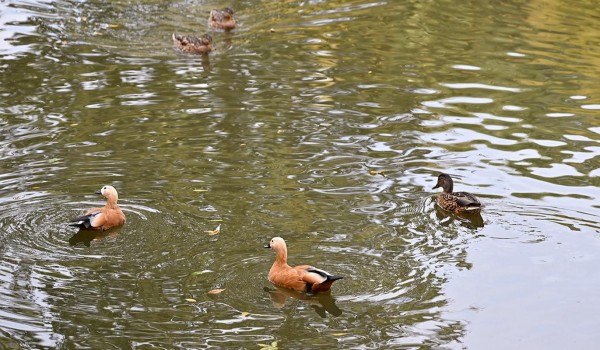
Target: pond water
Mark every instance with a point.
(325, 123)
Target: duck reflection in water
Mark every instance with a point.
(322, 303)
(85, 237)
(446, 218)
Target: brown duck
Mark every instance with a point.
(193, 44)
(457, 202)
(303, 278)
(221, 19)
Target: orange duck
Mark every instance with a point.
(193, 44)
(303, 278)
(103, 218)
(221, 19)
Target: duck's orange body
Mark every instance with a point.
(304, 278)
(221, 19)
(103, 218)
(192, 44)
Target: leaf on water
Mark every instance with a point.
(339, 334)
(215, 231)
(200, 190)
(113, 26)
(272, 346)
(375, 172)
(245, 313)
(216, 291)
(197, 273)
(190, 300)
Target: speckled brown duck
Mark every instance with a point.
(221, 19)
(192, 44)
(457, 202)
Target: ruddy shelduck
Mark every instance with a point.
(103, 218)
(458, 202)
(221, 19)
(304, 278)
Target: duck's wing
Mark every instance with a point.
(311, 274)
(91, 219)
(466, 199)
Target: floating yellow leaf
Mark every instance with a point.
(200, 190)
(375, 172)
(245, 313)
(191, 300)
(339, 334)
(215, 291)
(215, 231)
(272, 346)
(113, 26)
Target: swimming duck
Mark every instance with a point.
(221, 19)
(103, 218)
(193, 44)
(303, 278)
(458, 202)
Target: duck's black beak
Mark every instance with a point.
(436, 186)
(268, 246)
(98, 192)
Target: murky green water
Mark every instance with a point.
(280, 133)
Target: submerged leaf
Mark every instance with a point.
(196, 273)
(216, 291)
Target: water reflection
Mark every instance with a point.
(85, 237)
(471, 220)
(322, 303)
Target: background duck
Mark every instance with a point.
(458, 202)
(193, 44)
(303, 278)
(110, 215)
(221, 19)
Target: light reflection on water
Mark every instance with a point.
(328, 131)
